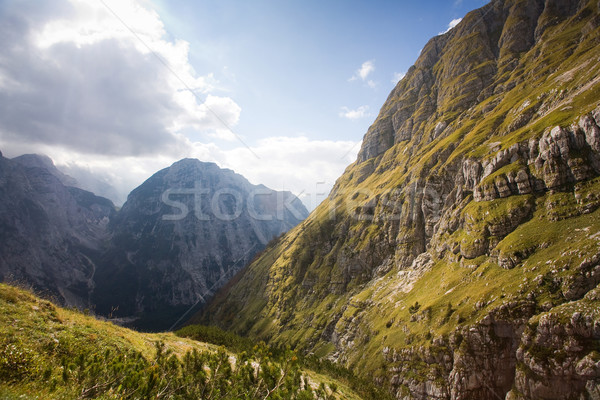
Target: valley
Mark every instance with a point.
(457, 258)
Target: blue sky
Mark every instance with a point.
(283, 91)
(289, 63)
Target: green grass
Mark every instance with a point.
(450, 292)
(48, 352)
(311, 285)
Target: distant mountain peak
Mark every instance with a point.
(182, 234)
(45, 162)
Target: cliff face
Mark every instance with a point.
(182, 235)
(51, 235)
(452, 251)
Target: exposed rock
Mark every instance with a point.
(45, 162)
(587, 277)
(554, 359)
(182, 235)
(561, 157)
(51, 236)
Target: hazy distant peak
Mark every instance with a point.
(45, 162)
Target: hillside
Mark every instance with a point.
(457, 258)
(47, 352)
(45, 162)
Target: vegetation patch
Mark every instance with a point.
(47, 352)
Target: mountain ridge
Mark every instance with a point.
(51, 233)
(54, 353)
(468, 217)
(45, 162)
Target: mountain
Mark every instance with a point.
(76, 176)
(45, 162)
(457, 258)
(101, 185)
(51, 235)
(182, 235)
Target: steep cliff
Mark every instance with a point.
(51, 235)
(450, 253)
(182, 235)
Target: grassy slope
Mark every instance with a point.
(43, 333)
(289, 295)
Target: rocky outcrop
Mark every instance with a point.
(74, 176)
(511, 353)
(181, 235)
(561, 157)
(555, 359)
(473, 362)
(452, 74)
(45, 162)
(455, 84)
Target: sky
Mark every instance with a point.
(280, 91)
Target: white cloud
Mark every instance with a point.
(89, 23)
(306, 167)
(363, 73)
(451, 25)
(397, 77)
(360, 112)
(365, 69)
(216, 116)
(76, 76)
(77, 85)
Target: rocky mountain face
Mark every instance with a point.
(458, 258)
(51, 235)
(179, 237)
(182, 235)
(75, 176)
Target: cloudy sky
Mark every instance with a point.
(279, 91)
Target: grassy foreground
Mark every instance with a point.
(48, 352)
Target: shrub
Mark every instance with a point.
(414, 308)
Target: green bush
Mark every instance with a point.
(197, 375)
(414, 308)
(285, 358)
(214, 335)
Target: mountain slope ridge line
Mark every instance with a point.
(469, 216)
